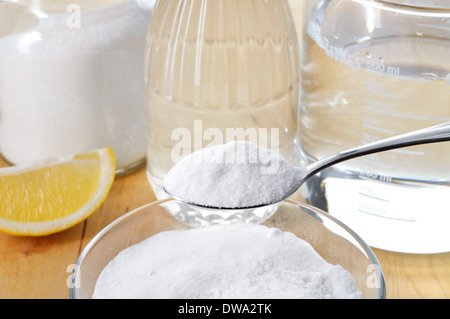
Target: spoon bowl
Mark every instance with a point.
(434, 134)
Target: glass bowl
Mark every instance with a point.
(334, 241)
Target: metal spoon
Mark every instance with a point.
(439, 133)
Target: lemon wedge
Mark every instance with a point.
(46, 197)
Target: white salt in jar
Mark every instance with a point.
(72, 79)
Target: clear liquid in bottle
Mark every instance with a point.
(217, 71)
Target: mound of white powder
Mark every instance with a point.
(223, 261)
(236, 174)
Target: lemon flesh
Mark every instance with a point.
(50, 196)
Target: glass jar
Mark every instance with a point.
(72, 79)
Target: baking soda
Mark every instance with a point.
(67, 90)
(236, 174)
(223, 261)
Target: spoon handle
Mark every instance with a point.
(433, 134)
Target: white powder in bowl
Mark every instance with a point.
(236, 174)
(223, 261)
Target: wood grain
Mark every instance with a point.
(38, 267)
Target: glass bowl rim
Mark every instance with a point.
(309, 209)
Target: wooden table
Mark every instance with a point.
(39, 267)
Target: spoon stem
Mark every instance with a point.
(438, 133)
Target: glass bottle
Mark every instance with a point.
(218, 71)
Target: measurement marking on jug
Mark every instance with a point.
(378, 105)
(376, 87)
(374, 176)
(382, 93)
(371, 201)
(369, 138)
(380, 67)
(375, 123)
(372, 210)
(379, 129)
(393, 70)
(374, 197)
(405, 116)
(383, 213)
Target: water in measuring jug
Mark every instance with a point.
(372, 70)
(220, 70)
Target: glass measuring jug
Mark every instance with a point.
(219, 71)
(371, 70)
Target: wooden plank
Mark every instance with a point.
(39, 267)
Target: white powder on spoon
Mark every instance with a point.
(223, 261)
(237, 174)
